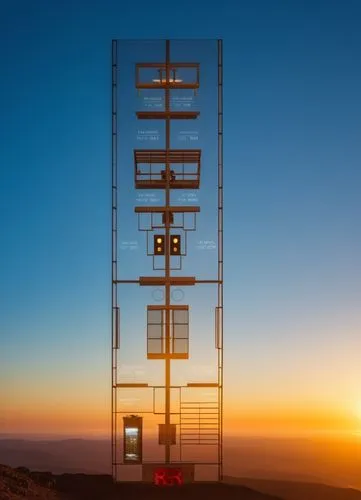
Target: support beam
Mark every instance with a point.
(169, 115)
(131, 385)
(163, 280)
(160, 210)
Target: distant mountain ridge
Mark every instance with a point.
(293, 490)
(269, 466)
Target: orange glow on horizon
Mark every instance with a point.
(72, 419)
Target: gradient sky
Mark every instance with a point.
(292, 73)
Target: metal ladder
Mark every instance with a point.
(199, 423)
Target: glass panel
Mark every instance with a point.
(132, 444)
(180, 346)
(155, 316)
(180, 331)
(155, 346)
(180, 317)
(155, 331)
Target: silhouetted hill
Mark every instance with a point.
(292, 490)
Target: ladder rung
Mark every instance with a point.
(197, 429)
(197, 419)
(201, 435)
(199, 441)
(199, 407)
(209, 440)
(198, 424)
(198, 402)
(197, 413)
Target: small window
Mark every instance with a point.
(155, 346)
(155, 316)
(180, 316)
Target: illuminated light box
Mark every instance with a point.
(174, 474)
(133, 427)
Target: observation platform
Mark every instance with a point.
(190, 79)
(185, 175)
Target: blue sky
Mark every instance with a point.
(292, 178)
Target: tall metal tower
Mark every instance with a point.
(167, 170)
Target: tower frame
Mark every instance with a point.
(168, 181)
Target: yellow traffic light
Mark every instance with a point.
(159, 246)
(175, 244)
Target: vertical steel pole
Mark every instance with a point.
(167, 261)
(114, 262)
(220, 256)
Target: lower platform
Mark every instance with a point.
(148, 183)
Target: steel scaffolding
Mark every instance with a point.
(196, 418)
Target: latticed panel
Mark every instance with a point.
(155, 332)
(199, 423)
(179, 332)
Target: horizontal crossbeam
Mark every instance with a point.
(132, 385)
(204, 384)
(174, 209)
(162, 115)
(162, 280)
(161, 156)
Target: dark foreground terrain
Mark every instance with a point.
(99, 487)
(21, 483)
(16, 484)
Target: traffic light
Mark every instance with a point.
(175, 244)
(159, 246)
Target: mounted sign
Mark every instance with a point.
(171, 438)
(133, 430)
(174, 474)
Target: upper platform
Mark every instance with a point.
(185, 168)
(182, 75)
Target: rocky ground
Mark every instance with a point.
(16, 484)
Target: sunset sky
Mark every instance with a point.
(292, 177)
